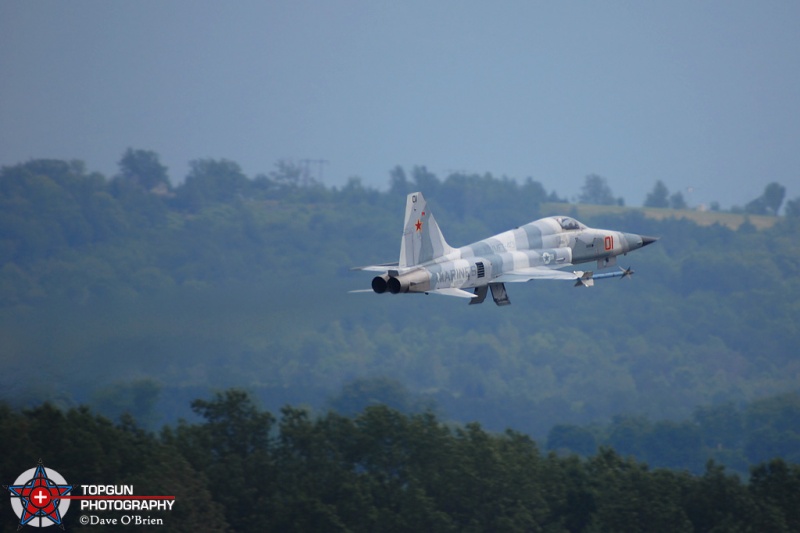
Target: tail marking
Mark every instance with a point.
(422, 239)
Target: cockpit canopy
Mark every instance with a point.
(569, 223)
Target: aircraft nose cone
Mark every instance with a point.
(648, 240)
(638, 241)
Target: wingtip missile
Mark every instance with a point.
(587, 279)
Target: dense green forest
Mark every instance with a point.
(240, 468)
(132, 295)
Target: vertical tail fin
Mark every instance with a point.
(422, 239)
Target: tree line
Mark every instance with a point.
(737, 437)
(228, 280)
(769, 203)
(240, 468)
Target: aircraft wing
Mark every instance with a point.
(459, 293)
(534, 273)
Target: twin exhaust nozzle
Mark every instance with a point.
(381, 284)
(418, 279)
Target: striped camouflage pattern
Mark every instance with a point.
(536, 250)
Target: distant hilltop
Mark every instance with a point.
(698, 216)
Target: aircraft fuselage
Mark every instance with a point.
(537, 250)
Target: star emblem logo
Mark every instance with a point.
(419, 225)
(36, 497)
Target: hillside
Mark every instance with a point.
(701, 218)
(135, 298)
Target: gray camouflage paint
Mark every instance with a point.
(533, 251)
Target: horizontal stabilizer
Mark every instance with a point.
(376, 268)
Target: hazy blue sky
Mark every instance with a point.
(702, 94)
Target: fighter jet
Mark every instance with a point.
(537, 250)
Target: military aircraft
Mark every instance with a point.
(537, 250)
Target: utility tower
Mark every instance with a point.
(316, 164)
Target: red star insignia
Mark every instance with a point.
(40, 498)
(419, 225)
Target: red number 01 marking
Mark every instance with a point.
(609, 242)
